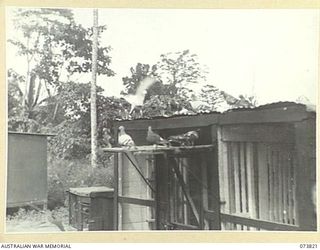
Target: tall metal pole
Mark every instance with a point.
(94, 91)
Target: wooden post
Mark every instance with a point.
(204, 190)
(223, 173)
(168, 186)
(93, 92)
(214, 182)
(120, 186)
(157, 195)
(116, 191)
(305, 167)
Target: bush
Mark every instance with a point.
(65, 174)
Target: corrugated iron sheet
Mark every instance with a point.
(261, 107)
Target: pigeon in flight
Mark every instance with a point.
(124, 139)
(137, 99)
(155, 139)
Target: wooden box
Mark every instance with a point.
(91, 208)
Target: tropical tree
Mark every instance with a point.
(179, 69)
(14, 92)
(212, 96)
(52, 44)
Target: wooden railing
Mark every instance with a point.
(255, 224)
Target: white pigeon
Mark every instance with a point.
(138, 98)
(125, 140)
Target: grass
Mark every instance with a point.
(31, 220)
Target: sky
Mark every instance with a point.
(272, 54)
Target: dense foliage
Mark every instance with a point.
(65, 174)
(54, 45)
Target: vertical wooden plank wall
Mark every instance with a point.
(252, 189)
(306, 173)
(234, 167)
(258, 172)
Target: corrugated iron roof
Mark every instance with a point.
(274, 105)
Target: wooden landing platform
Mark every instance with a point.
(158, 149)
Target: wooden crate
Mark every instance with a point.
(91, 208)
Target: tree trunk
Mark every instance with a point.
(93, 91)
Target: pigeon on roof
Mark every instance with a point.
(125, 140)
(155, 139)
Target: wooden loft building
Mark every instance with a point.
(252, 169)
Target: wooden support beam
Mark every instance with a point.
(223, 173)
(213, 180)
(282, 133)
(147, 149)
(267, 225)
(157, 195)
(116, 191)
(120, 188)
(204, 188)
(137, 201)
(223, 165)
(184, 226)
